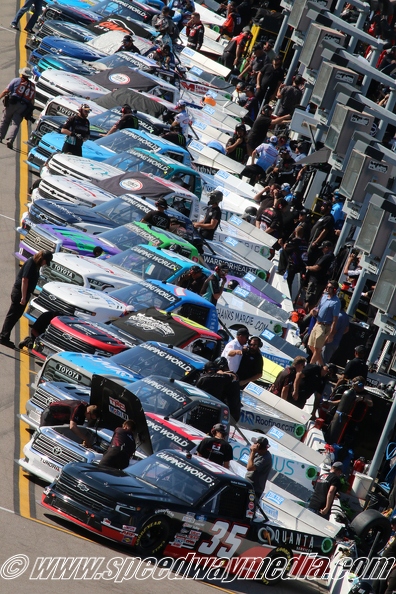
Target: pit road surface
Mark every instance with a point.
(27, 533)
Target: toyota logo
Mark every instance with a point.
(67, 336)
(57, 451)
(82, 487)
(52, 298)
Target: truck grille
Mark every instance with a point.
(92, 499)
(42, 399)
(58, 169)
(67, 342)
(42, 88)
(39, 217)
(46, 128)
(60, 454)
(37, 242)
(51, 303)
(50, 192)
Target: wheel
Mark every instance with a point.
(367, 526)
(282, 552)
(153, 536)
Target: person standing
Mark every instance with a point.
(259, 465)
(259, 129)
(322, 230)
(342, 328)
(207, 227)
(182, 118)
(127, 45)
(20, 95)
(127, 120)
(158, 217)
(195, 32)
(251, 366)
(24, 286)
(318, 275)
(122, 447)
(215, 284)
(235, 48)
(233, 350)
(267, 155)
(327, 314)
(310, 380)
(356, 366)
(236, 146)
(192, 280)
(77, 130)
(216, 448)
(290, 96)
(38, 7)
(325, 490)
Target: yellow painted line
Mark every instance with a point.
(24, 369)
(62, 530)
(219, 588)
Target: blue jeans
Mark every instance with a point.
(38, 7)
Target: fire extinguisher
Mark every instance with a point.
(358, 466)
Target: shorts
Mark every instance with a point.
(318, 336)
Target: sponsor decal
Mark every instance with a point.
(167, 433)
(168, 357)
(132, 185)
(378, 167)
(119, 78)
(150, 324)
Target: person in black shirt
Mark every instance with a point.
(195, 32)
(175, 135)
(269, 79)
(251, 366)
(74, 412)
(215, 284)
(128, 45)
(24, 286)
(322, 230)
(260, 128)
(236, 146)
(252, 105)
(284, 382)
(259, 465)
(270, 219)
(158, 218)
(325, 490)
(290, 96)
(127, 120)
(77, 131)
(211, 221)
(356, 366)
(319, 275)
(217, 380)
(310, 380)
(192, 280)
(216, 448)
(122, 447)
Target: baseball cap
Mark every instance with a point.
(161, 202)
(326, 244)
(273, 139)
(195, 269)
(327, 203)
(220, 427)
(181, 103)
(338, 465)
(25, 72)
(85, 106)
(246, 30)
(263, 441)
(127, 38)
(285, 187)
(271, 42)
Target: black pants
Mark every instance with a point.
(115, 457)
(72, 149)
(14, 314)
(228, 59)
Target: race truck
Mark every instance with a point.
(73, 241)
(119, 211)
(67, 333)
(192, 505)
(159, 395)
(70, 189)
(148, 358)
(104, 148)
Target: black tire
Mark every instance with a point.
(366, 526)
(281, 552)
(153, 536)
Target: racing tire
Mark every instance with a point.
(281, 552)
(153, 536)
(366, 526)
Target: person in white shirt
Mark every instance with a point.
(233, 351)
(182, 118)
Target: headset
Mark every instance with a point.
(260, 342)
(221, 268)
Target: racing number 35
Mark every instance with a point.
(232, 541)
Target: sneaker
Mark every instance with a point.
(29, 31)
(10, 144)
(26, 342)
(7, 343)
(14, 26)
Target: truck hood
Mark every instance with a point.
(87, 299)
(74, 84)
(58, 187)
(76, 49)
(72, 214)
(53, 142)
(68, 164)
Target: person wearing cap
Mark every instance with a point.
(318, 275)
(207, 227)
(260, 128)
(192, 280)
(77, 131)
(158, 218)
(252, 106)
(163, 56)
(239, 95)
(24, 286)
(310, 380)
(175, 135)
(163, 23)
(233, 350)
(355, 367)
(195, 32)
(127, 45)
(215, 284)
(251, 366)
(268, 80)
(127, 120)
(289, 96)
(270, 219)
(326, 314)
(38, 7)
(325, 490)
(342, 328)
(287, 193)
(20, 93)
(254, 64)
(235, 48)
(322, 230)
(236, 145)
(216, 448)
(182, 117)
(259, 465)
